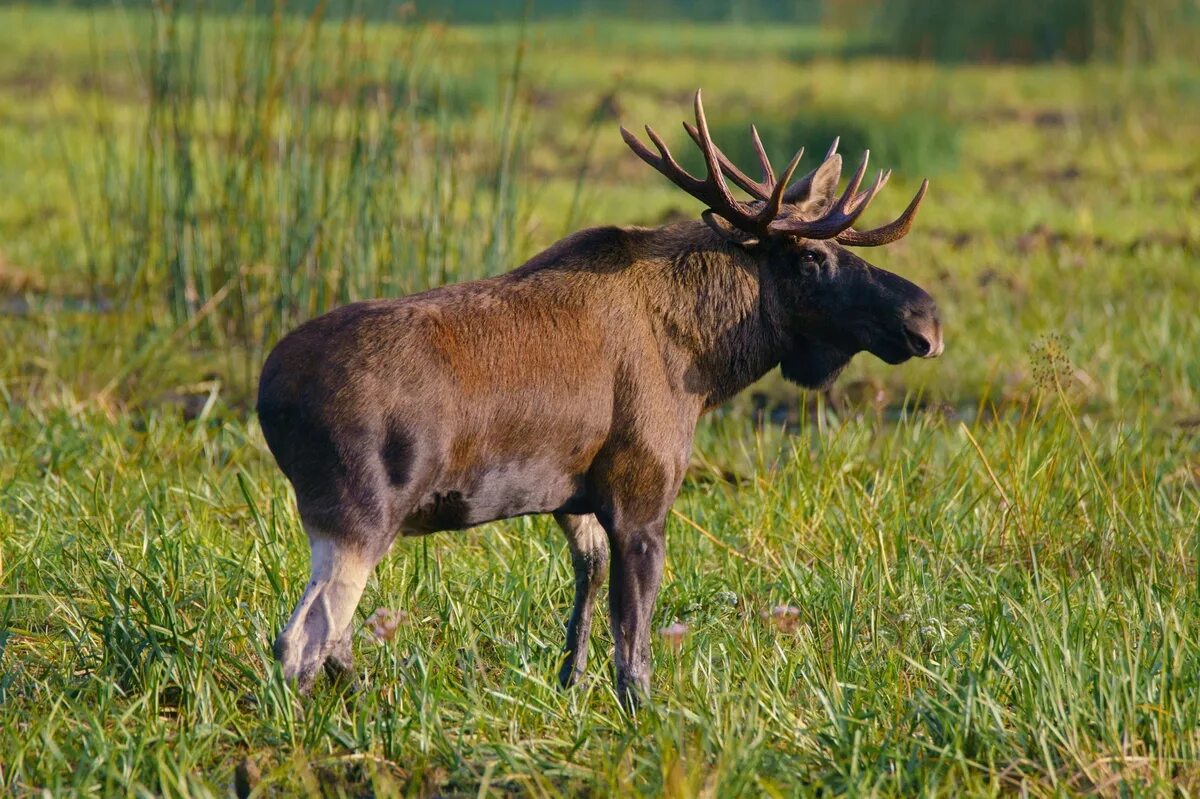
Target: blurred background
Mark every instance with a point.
(181, 183)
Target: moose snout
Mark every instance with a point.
(923, 333)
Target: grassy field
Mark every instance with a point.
(977, 575)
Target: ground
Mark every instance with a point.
(976, 575)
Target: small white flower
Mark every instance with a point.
(383, 623)
(673, 634)
(784, 617)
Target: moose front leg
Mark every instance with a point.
(637, 567)
(339, 665)
(589, 558)
(634, 486)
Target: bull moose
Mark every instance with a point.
(572, 386)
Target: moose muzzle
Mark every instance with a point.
(923, 333)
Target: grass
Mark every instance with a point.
(1025, 31)
(973, 576)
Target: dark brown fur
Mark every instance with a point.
(571, 385)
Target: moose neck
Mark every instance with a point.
(718, 312)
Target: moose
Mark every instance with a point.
(573, 386)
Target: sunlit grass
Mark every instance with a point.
(978, 607)
(991, 558)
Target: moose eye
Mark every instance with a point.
(810, 259)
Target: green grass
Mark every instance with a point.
(992, 557)
(1028, 30)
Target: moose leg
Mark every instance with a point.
(589, 557)
(320, 625)
(637, 567)
(339, 665)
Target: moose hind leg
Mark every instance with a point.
(320, 626)
(589, 558)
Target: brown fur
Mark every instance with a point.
(571, 385)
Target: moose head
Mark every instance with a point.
(839, 304)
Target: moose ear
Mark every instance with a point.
(814, 365)
(822, 188)
(727, 231)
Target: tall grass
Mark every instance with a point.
(285, 165)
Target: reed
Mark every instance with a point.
(301, 164)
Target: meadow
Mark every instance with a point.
(977, 575)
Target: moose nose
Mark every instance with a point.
(924, 336)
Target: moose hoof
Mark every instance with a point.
(632, 694)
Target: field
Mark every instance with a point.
(977, 575)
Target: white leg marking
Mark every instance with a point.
(589, 535)
(325, 611)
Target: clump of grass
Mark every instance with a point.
(298, 165)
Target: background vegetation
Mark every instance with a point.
(1029, 30)
(977, 575)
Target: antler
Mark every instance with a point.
(761, 191)
(713, 191)
(841, 214)
(836, 223)
(886, 234)
(799, 190)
